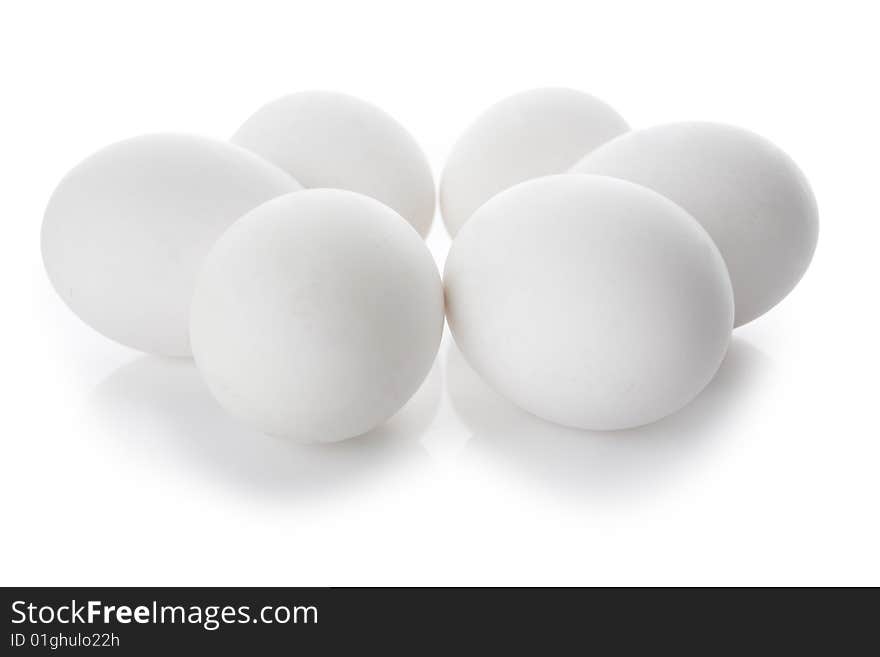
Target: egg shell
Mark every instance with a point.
(588, 301)
(126, 230)
(747, 193)
(328, 139)
(317, 316)
(530, 134)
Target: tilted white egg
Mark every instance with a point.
(317, 315)
(125, 231)
(749, 195)
(326, 139)
(530, 134)
(589, 301)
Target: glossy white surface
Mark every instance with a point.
(118, 469)
(746, 192)
(589, 301)
(317, 315)
(126, 230)
(328, 139)
(533, 133)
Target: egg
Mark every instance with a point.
(530, 134)
(589, 301)
(317, 315)
(748, 194)
(326, 139)
(125, 231)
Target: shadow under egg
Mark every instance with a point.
(596, 464)
(160, 409)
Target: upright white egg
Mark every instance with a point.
(530, 134)
(326, 139)
(126, 230)
(317, 315)
(589, 301)
(748, 194)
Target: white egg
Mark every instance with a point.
(126, 230)
(749, 195)
(530, 134)
(317, 315)
(326, 139)
(589, 301)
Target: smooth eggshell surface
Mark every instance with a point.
(126, 230)
(530, 134)
(326, 139)
(749, 195)
(588, 301)
(317, 315)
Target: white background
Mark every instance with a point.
(119, 469)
